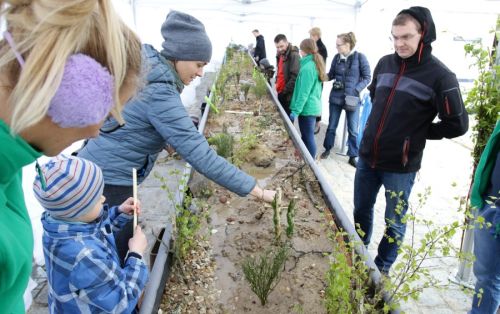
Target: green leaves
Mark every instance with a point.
(186, 223)
(223, 143)
(348, 281)
(263, 272)
(212, 105)
(483, 99)
(260, 88)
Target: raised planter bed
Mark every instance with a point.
(266, 145)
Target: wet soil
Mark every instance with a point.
(211, 279)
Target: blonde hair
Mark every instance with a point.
(46, 33)
(309, 47)
(348, 38)
(315, 31)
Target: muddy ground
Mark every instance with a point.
(211, 279)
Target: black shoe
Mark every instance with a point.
(325, 154)
(352, 161)
(384, 272)
(317, 129)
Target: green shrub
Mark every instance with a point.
(223, 143)
(263, 272)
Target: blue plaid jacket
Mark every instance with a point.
(83, 268)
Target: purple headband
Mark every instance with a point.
(85, 95)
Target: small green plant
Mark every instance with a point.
(263, 272)
(276, 203)
(260, 88)
(186, 223)
(246, 143)
(349, 289)
(484, 98)
(246, 64)
(245, 88)
(348, 283)
(219, 88)
(290, 214)
(223, 143)
(230, 51)
(237, 76)
(211, 104)
(410, 276)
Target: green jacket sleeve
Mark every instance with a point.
(484, 168)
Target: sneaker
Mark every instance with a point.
(317, 128)
(352, 161)
(385, 274)
(325, 154)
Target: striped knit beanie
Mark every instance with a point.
(68, 187)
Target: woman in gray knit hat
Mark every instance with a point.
(157, 117)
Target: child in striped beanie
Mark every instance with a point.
(83, 267)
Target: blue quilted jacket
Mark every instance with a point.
(155, 117)
(354, 72)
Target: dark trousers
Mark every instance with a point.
(285, 104)
(367, 183)
(115, 196)
(487, 264)
(352, 129)
(306, 126)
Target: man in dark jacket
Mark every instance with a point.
(288, 66)
(409, 89)
(315, 34)
(260, 47)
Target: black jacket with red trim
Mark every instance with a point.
(407, 95)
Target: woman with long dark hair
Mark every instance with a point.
(306, 99)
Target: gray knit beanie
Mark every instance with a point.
(185, 38)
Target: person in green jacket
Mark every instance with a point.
(306, 99)
(62, 69)
(485, 199)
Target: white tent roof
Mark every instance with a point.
(233, 20)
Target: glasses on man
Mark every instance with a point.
(403, 38)
(338, 46)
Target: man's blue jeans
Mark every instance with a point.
(352, 129)
(487, 265)
(306, 126)
(367, 183)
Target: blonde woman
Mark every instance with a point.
(351, 73)
(306, 100)
(63, 66)
(157, 116)
(315, 34)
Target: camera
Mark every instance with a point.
(338, 85)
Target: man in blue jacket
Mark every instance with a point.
(409, 89)
(156, 117)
